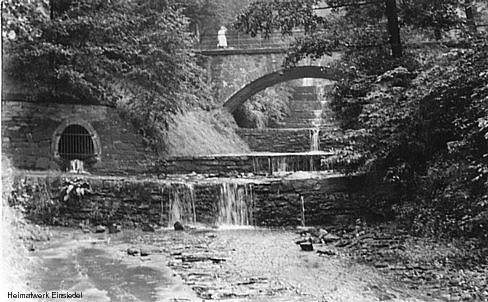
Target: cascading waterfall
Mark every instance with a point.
(314, 139)
(315, 131)
(181, 204)
(317, 120)
(235, 204)
(279, 163)
(317, 123)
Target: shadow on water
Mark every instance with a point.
(94, 272)
(121, 280)
(55, 272)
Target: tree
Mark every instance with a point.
(438, 15)
(135, 54)
(393, 28)
(420, 121)
(206, 16)
(429, 132)
(362, 29)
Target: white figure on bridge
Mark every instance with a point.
(221, 37)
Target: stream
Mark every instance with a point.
(236, 264)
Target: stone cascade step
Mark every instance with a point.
(305, 105)
(302, 114)
(305, 89)
(302, 105)
(305, 124)
(306, 101)
(257, 163)
(290, 139)
(325, 110)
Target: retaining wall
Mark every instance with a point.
(287, 140)
(232, 165)
(272, 202)
(28, 131)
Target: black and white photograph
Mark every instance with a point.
(244, 151)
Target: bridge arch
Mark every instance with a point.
(283, 75)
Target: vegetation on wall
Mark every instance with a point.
(134, 54)
(420, 119)
(35, 202)
(265, 109)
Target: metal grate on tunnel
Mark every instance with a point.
(76, 143)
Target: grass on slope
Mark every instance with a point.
(197, 133)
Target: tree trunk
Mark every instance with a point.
(51, 9)
(393, 28)
(469, 9)
(437, 33)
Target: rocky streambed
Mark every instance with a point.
(209, 264)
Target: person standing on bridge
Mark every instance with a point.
(221, 37)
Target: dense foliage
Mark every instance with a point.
(428, 132)
(420, 121)
(265, 109)
(359, 28)
(35, 202)
(135, 54)
(206, 16)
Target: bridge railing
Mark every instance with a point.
(236, 40)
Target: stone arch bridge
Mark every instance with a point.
(237, 74)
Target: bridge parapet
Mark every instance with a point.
(240, 41)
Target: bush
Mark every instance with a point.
(35, 202)
(452, 201)
(427, 130)
(265, 109)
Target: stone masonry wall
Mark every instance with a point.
(213, 165)
(229, 73)
(232, 165)
(305, 101)
(277, 202)
(28, 129)
(286, 140)
(326, 201)
(230, 70)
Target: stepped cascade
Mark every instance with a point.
(310, 108)
(314, 139)
(304, 135)
(234, 204)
